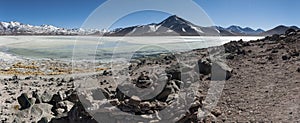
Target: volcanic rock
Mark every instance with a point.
(204, 66)
(24, 101)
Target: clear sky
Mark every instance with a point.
(263, 14)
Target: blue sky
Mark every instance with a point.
(263, 14)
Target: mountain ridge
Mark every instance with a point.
(171, 26)
(17, 28)
(179, 26)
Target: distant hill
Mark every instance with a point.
(245, 31)
(278, 30)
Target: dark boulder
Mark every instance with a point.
(204, 66)
(286, 57)
(275, 37)
(232, 47)
(37, 97)
(174, 71)
(294, 53)
(24, 101)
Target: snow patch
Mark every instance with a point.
(197, 29)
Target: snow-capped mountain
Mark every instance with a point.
(17, 28)
(175, 25)
(246, 30)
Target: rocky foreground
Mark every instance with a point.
(257, 81)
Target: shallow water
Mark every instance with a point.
(105, 48)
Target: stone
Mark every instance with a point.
(46, 97)
(73, 97)
(24, 101)
(233, 46)
(37, 97)
(63, 80)
(59, 111)
(28, 78)
(145, 106)
(290, 40)
(51, 79)
(179, 84)
(204, 66)
(282, 37)
(9, 100)
(62, 105)
(43, 120)
(286, 57)
(201, 114)
(175, 85)
(275, 37)
(107, 73)
(114, 102)
(160, 105)
(17, 120)
(100, 94)
(221, 71)
(216, 112)
(174, 71)
(15, 77)
(68, 105)
(195, 106)
(78, 115)
(298, 70)
(209, 118)
(71, 79)
(274, 51)
(230, 56)
(169, 57)
(134, 100)
(55, 99)
(143, 81)
(290, 31)
(163, 96)
(294, 53)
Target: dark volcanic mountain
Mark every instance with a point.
(279, 30)
(173, 25)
